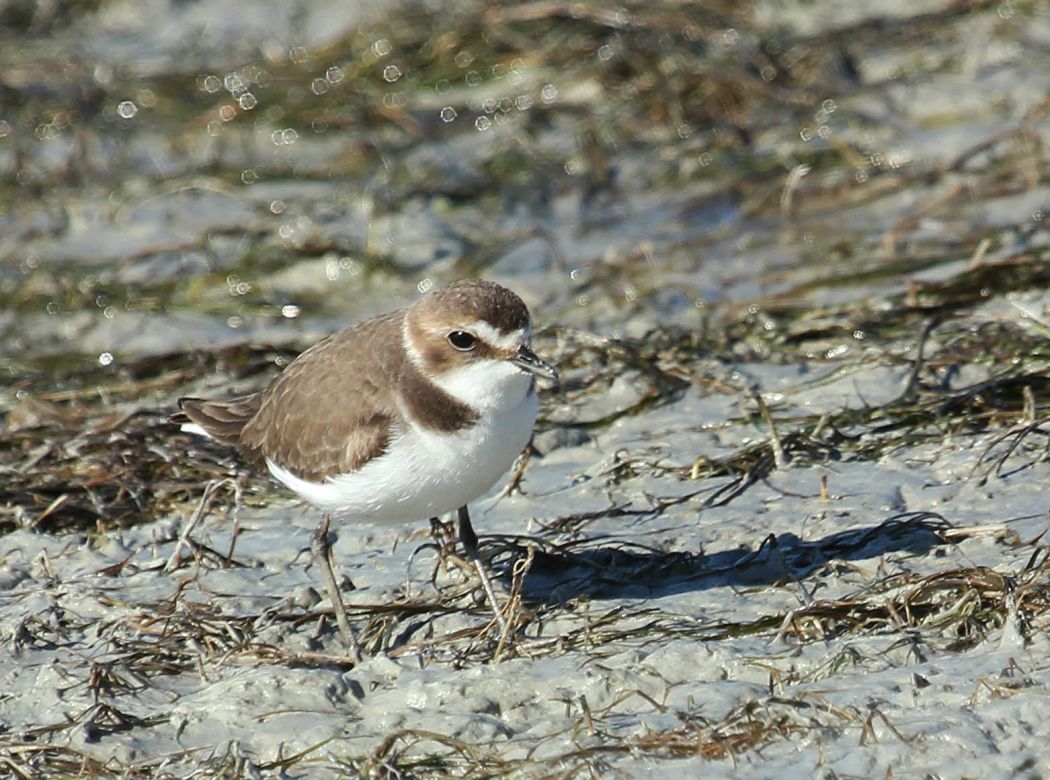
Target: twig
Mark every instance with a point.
(183, 541)
(780, 457)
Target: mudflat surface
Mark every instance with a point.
(783, 517)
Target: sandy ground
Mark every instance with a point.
(686, 600)
(663, 625)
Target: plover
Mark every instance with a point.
(403, 417)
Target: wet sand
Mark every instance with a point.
(784, 516)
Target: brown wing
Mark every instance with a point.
(223, 420)
(328, 413)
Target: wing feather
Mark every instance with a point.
(326, 414)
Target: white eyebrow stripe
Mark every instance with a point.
(495, 338)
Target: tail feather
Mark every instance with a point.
(221, 420)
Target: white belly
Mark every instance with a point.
(424, 473)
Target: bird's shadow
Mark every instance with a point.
(558, 573)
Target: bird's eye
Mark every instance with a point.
(462, 340)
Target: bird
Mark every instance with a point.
(403, 417)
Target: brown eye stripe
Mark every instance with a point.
(485, 350)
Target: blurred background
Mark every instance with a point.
(186, 175)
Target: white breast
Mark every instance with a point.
(425, 473)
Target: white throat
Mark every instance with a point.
(486, 386)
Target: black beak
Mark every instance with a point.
(526, 360)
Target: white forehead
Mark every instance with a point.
(498, 339)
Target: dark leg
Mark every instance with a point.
(322, 550)
(467, 537)
(469, 540)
